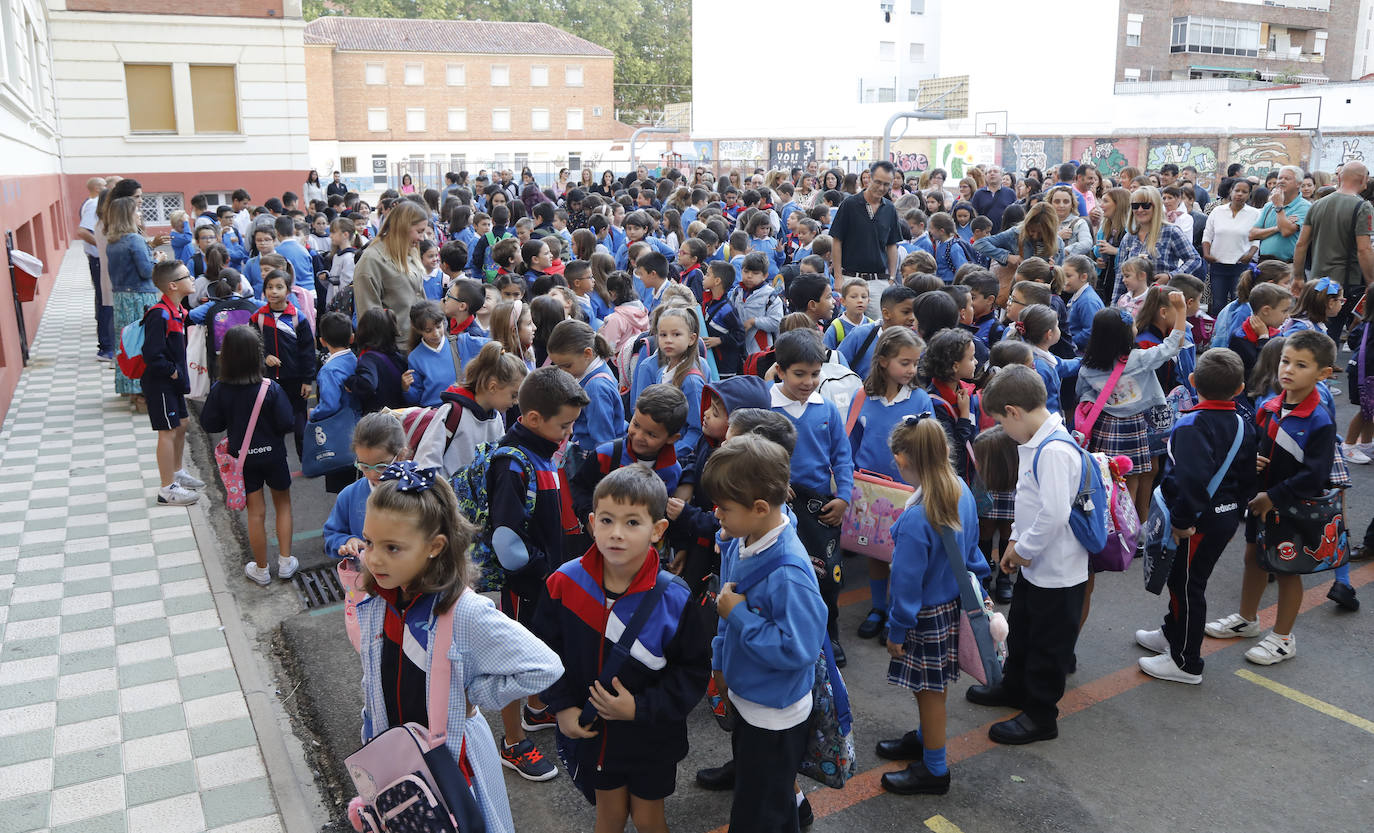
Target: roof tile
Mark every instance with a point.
(483, 37)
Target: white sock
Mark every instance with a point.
(800, 797)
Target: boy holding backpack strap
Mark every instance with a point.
(1048, 600)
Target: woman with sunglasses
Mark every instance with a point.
(1147, 235)
(1226, 243)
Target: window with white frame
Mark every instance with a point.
(456, 74)
(522, 160)
(374, 73)
(457, 119)
(159, 208)
(575, 118)
(415, 75)
(539, 119)
(376, 119)
(415, 119)
(572, 75)
(500, 119)
(500, 75)
(1133, 24)
(887, 50)
(11, 65)
(1215, 36)
(916, 53)
(1131, 74)
(1319, 43)
(539, 76)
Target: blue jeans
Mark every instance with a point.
(1224, 277)
(104, 313)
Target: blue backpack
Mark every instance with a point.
(1088, 515)
(470, 487)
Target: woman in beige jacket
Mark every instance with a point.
(389, 273)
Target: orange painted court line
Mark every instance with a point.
(867, 784)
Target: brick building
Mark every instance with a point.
(428, 96)
(1283, 40)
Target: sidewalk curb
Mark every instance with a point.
(291, 787)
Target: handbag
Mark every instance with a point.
(1086, 413)
(407, 777)
(1366, 389)
(977, 649)
(620, 651)
(1157, 532)
(1307, 536)
(197, 361)
(329, 443)
(875, 503)
(231, 467)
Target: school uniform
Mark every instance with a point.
(960, 430)
(1122, 427)
(164, 356)
(989, 328)
(300, 260)
(1197, 448)
(840, 328)
(1300, 443)
(723, 322)
(876, 418)
(450, 443)
(763, 304)
(228, 408)
(527, 546)
(288, 336)
(617, 454)
(858, 347)
(649, 372)
(329, 384)
(1084, 305)
(346, 517)
(434, 284)
(1053, 371)
(603, 419)
(435, 371)
(376, 380)
(692, 280)
(822, 453)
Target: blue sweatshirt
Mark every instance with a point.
(877, 418)
(603, 418)
(723, 322)
(1053, 371)
(329, 384)
(1082, 308)
(921, 577)
(346, 518)
(301, 262)
(849, 348)
(648, 372)
(822, 448)
(1197, 447)
(434, 372)
(767, 647)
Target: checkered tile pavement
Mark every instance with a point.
(119, 706)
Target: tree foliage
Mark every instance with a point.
(651, 39)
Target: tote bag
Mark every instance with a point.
(231, 467)
(875, 503)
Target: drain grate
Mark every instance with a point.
(319, 587)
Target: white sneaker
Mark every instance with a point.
(1333, 390)
(188, 481)
(261, 575)
(1232, 626)
(1273, 649)
(286, 567)
(1163, 667)
(1352, 454)
(1153, 640)
(1367, 449)
(176, 495)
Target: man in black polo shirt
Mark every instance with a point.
(865, 233)
(336, 187)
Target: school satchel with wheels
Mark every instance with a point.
(406, 777)
(874, 504)
(231, 467)
(1306, 536)
(977, 649)
(1157, 531)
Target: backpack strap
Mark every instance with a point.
(441, 675)
(1060, 437)
(1215, 482)
(863, 348)
(760, 573)
(451, 420)
(621, 650)
(617, 452)
(855, 406)
(527, 468)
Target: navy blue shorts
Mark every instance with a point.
(651, 783)
(275, 474)
(166, 407)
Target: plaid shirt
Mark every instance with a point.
(1173, 253)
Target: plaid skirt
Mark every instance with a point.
(128, 308)
(931, 661)
(1340, 475)
(1126, 436)
(1003, 506)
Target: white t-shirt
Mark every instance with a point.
(88, 223)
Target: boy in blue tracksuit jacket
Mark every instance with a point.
(288, 345)
(724, 335)
(336, 334)
(167, 381)
(1198, 446)
(656, 424)
(1297, 439)
(627, 754)
(770, 634)
(822, 454)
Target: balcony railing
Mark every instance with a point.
(1296, 56)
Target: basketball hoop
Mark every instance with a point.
(1288, 127)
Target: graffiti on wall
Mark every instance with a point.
(911, 156)
(694, 151)
(1023, 154)
(1337, 150)
(849, 155)
(1108, 155)
(1183, 151)
(791, 153)
(1262, 154)
(750, 151)
(958, 155)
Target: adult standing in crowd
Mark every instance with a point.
(313, 190)
(336, 187)
(85, 229)
(993, 198)
(1150, 236)
(389, 273)
(1338, 232)
(1226, 244)
(866, 232)
(1116, 216)
(1282, 218)
(131, 270)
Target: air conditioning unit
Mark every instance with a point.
(596, 112)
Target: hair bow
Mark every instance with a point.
(1020, 327)
(1327, 286)
(913, 419)
(410, 478)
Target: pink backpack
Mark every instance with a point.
(1123, 523)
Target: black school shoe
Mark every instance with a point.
(805, 816)
(1021, 730)
(717, 778)
(915, 780)
(873, 624)
(1002, 588)
(1343, 595)
(905, 748)
(989, 695)
(840, 660)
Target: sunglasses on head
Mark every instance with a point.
(1137, 206)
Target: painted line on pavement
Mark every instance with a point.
(940, 824)
(1307, 700)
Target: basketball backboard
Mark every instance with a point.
(1302, 113)
(990, 122)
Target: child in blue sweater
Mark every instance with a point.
(378, 441)
(770, 634)
(923, 625)
(676, 362)
(1038, 326)
(724, 330)
(757, 303)
(656, 424)
(433, 365)
(1084, 302)
(897, 308)
(822, 454)
(336, 334)
(889, 395)
(574, 347)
